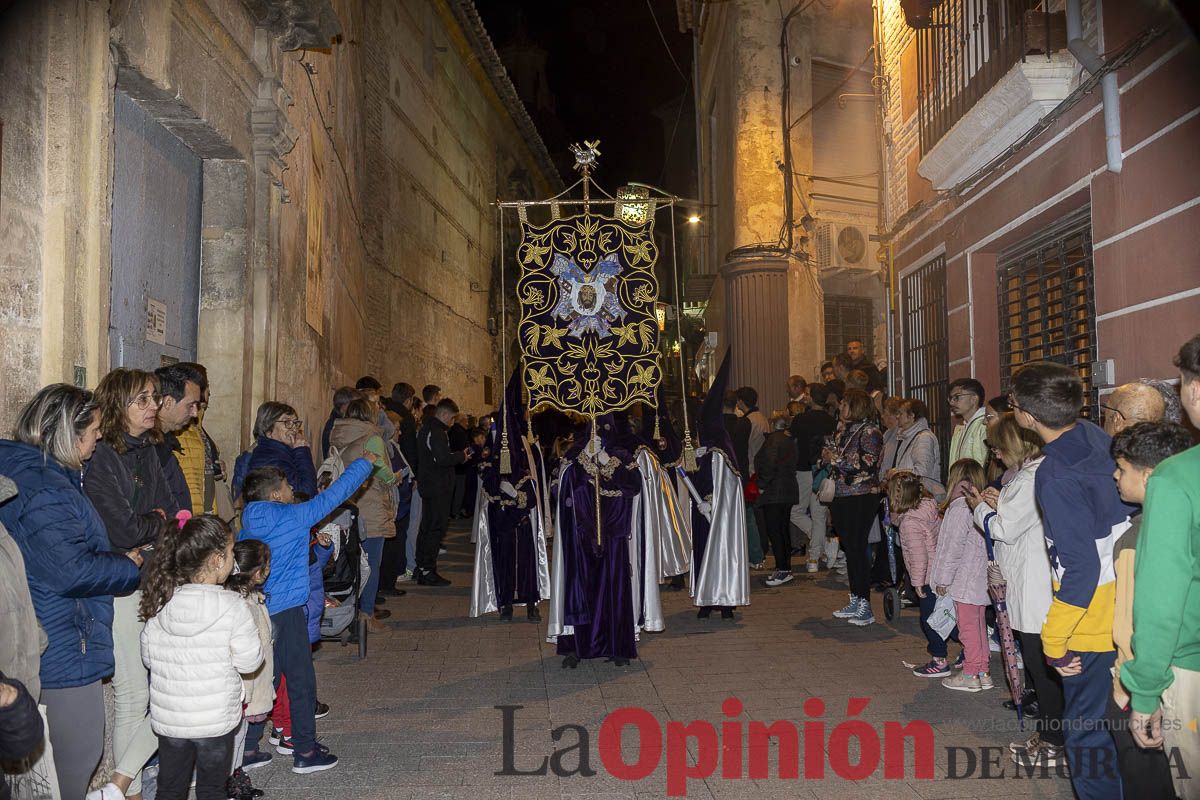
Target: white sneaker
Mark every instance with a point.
(985, 681)
(405, 578)
(849, 610)
(108, 791)
(779, 578)
(813, 566)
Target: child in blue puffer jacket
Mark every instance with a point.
(273, 516)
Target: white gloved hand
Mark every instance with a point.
(705, 508)
(508, 488)
(604, 457)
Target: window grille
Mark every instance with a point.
(926, 358)
(848, 317)
(1048, 302)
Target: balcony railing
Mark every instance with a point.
(968, 48)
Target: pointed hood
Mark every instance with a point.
(511, 419)
(672, 449)
(711, 425)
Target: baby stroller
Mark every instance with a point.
(343, 581)
(895, 596)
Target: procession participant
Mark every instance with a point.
(591, 608)
(720, 573)
(511, 515)
(661, 450)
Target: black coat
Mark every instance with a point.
(738, 429)
(435, 459)
(407, 436)
(459, 440)
(126, 488)
(172, 471)
(809, 430)
(775, 464)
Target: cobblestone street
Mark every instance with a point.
(417, 718)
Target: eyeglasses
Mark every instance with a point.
(144, 401)
(290, 424)
(955, 397)
(1107, 411)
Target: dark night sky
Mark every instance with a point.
(608, 72)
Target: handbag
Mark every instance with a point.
(827, 490)
(752, 490)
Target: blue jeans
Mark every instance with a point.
(374, 550)
(293, 658)
(937, 645)
(1091, 752)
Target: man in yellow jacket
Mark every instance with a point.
(198, 456)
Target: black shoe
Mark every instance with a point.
(380, 600)
(704, 612)
(431, 578)
(506, 613)
(385, 591)
(321, 710)
(381, 613)
(533, 614)
(1027, 699)
(570, 662)
(619, 662)
(727, 613)
(676, 584)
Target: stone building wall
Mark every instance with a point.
(391, 137)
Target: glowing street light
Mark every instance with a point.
(693, 219)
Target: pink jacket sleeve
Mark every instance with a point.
(918, 537)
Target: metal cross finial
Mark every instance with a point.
(586, 156)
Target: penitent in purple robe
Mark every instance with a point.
(596, 580)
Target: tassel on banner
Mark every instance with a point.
(689, 453)
(505, 455)
(657, 430)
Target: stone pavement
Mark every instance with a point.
(416, 719)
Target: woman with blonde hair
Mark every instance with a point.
(125, 482)
(1010, 517)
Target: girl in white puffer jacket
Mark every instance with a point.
(198, 640)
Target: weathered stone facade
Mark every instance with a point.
(765, 301)
(392, 138)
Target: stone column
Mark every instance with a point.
(775, 319)
(773, 300)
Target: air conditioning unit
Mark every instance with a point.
(845, 247)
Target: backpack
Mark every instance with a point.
(331, 468)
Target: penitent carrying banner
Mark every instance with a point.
(588, 331)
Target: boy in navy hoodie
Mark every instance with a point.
(273, 516)
(1082, 517)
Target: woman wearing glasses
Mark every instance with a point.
(125, 482)
(279, 441)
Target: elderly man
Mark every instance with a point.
(1131, 404)
(797, 388)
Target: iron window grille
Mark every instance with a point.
(1047, 302)
(848, 317)
(926, 360)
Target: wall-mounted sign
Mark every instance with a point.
(156, 321)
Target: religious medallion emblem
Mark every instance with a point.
(588, 331)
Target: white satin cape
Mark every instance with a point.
(483, 582)
(723, 579)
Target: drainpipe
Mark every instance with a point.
(1086, 55)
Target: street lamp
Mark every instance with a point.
(693, 219)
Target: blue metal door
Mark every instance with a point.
(157, 185)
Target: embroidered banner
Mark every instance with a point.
(588, 331)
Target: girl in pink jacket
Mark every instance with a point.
(960, 570)
(915, 513)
